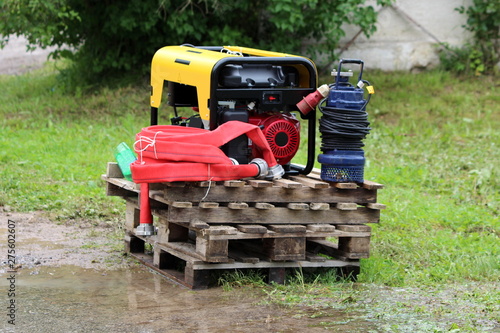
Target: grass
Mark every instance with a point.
(434, 144)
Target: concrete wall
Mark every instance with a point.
(407, 34)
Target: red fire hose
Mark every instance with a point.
(174, 153)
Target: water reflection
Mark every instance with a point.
(73, 299)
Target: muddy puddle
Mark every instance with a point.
(74, 299)
(73, 278)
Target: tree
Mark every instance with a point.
(108, 37)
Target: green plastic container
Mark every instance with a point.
(124, 157)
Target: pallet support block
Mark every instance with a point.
(132, 216)
(212, 250)
(133, 244)
(354, 244)
(286, 248)
(277, 275)
(196, 279)
(160, 258)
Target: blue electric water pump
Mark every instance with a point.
(343, 126)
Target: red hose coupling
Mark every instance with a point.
(145, 227)
(308, 103)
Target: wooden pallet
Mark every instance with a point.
(250, 223)
(189, 270)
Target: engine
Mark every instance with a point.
(282, 132)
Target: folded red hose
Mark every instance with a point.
(170, 153)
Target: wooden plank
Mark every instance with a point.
(170, 274)
(354, 245)
(273, 194)
(283, 264)
(346, 186)
(272, 234)
(188, 249)
(182, 204)
(312, 183)
(237, 205)
(331, 249)
(354, 228)
(182, 250)
(257, 183)
(243, 257)
(314, 258)
(315, 176)
(113, 190)
(120, 187)
(197, 279)
(208, 205)
(176, 233)
(113, 170)
(219, 230)
(372, 185)
(287, 183)
(234, 183)
(263, 205)
(375, 205)
(346, 206)
(198, 224)
(278, 215)
(321, 227)
(133, 244)
(298, 206)
(287, 228)
(319, 206)
(252, 228)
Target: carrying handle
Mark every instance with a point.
(349, 61)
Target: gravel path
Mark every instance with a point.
(15, 59)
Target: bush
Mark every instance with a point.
(480, 56)
(115, 36)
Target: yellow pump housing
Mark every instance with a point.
(226, 83)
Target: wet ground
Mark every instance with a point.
(73, 278)
(72, 299)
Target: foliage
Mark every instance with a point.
(112, 36)
(483, 53)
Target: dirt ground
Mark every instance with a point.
(73, 277)
(41, 242)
